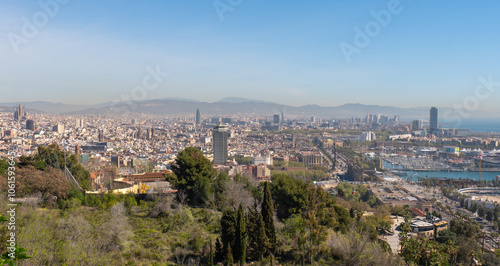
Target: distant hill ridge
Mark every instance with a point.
(229, 106)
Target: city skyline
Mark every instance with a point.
(231, 106)
(296, 59)
(250, 132)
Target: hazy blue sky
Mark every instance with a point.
(430, 53)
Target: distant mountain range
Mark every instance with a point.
(228, 106)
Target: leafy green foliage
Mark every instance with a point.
(288, 164)
(3, 166)
(462, 227)
(241, 160)
(289, 194)
(293, 196)
(309, 175)
(40, 165)
(423, 251)
(361, 193)
(446, 235)
(12, 257)
(343, 218)
(219, 186)
(52, 156)
(103, 229)
(19, 254)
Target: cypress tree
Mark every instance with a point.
(240, 243)
(229, 256)
(256, 233)
(252, 234)
(268, 217)
(219, 251)
(260, 238)
(228, 230)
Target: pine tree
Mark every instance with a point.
(193, 173)
(268, 217)
(240, 243)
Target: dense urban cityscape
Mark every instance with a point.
(397, 164)
(233, 132)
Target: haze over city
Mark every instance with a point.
(410, 53)
(238, 132)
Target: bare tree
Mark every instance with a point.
(355, 248)
(116, 229)
(181, 255)
(236, 194)
(181, 199)
(162, 206)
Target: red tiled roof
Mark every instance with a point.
(149, 175)
(417, 212)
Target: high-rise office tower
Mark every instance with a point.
(198, 117)
(78, 123)
(276, 119)
(139, 133)
(416, 125)
(100, 136)
(30, 125)
(116, 161)
(433, 120)
(59, 128)
(220, 144)
(396, 120)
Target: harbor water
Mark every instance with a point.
(440, 174)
